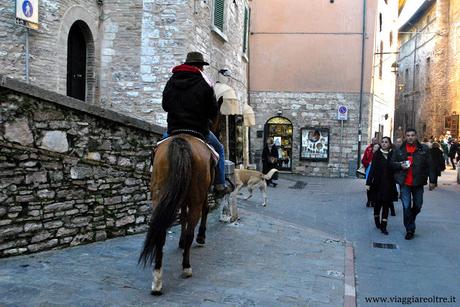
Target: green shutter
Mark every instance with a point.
(219, 14)
(245, 34)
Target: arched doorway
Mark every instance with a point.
(78, 42)
(280, 129)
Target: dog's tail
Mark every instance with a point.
(270, 174)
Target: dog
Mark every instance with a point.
(252, 179)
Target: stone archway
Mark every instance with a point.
(87, 24)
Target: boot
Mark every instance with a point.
(383, 227)
(377, 221)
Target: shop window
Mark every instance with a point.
(314, 144)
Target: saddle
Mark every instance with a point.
(214, 155)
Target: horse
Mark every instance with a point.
(183, 171)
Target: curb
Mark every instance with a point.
(350, 282)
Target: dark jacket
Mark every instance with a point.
(381, 179)
(189, 100)
(267, 165)
(454, 150)
(422, 165)
(437, 157)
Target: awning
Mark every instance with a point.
(249, 118)
(230, 105)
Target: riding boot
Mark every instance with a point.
(377, 221)
(383, 227)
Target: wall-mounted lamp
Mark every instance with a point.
(401, 86)
(225, 72)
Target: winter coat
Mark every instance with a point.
(422, 165)
(267, 154)
(437, 157)
(189, 100)
(381, 179)
(454, 150)
(367, 156)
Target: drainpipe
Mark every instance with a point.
(361, 85)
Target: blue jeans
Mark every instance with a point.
(214, 142)
(410, 212)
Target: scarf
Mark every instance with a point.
(385, 153)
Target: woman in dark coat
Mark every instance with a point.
(381, 184)
(437, 156)
(270, 160)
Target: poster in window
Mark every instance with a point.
(314, 144)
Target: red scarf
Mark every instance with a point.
(409, 177)
(187, 68)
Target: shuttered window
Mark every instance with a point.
(246, 30)
(219, 6)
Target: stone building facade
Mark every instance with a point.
(428, 70)
(306, 61)
(131, 47)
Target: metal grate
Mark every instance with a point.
(299, 185)
(384, 245)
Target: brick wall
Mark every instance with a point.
(70, 172)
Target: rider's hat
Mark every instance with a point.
(195, 58)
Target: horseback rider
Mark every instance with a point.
(189, 99)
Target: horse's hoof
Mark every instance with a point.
(186, 273)
(200, 240)
(156, 292)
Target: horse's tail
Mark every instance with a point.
(174, 196)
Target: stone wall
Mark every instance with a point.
(70, 172)
(427, 69)
(313, 110)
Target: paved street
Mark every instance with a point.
(259, 261)
(426, 266)
(279, 255)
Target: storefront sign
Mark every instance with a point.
(314, 144)
(27, 13)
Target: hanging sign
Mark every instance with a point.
(27, 13)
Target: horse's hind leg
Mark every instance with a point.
(182, 228)
(200, 239)
(157, 283)
(188, 239)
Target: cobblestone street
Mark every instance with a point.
(286, 254)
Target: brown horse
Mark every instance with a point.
(182, 174)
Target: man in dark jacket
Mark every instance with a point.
(189, 99)
(413, 165)
(454, 150)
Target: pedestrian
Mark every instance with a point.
(270, 160)
(397, 143)
(438, 159)
(453, 151)
(366, 161)
(189, 99)
(445, 149)
(381, 184)
(413, 165)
